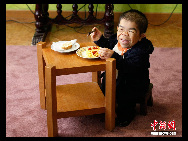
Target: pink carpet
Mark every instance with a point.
(24, 118)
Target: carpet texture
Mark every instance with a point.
(24, 118)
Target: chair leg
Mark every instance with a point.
(147, 101)
(143, 108)
(150, 101)
(143, 105)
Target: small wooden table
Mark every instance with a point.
(70, 63)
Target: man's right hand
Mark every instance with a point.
(95, 36)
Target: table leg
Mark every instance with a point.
(41, 73)
(96, 77)
(110, 94)
(51, 103)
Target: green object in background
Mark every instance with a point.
(145, 8)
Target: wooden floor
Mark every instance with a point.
(166, 35)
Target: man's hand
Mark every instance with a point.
(105, 53)
(95, 36)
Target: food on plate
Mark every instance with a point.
(92, 52)
(67, 45)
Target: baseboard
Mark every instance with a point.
(154, 18)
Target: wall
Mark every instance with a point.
(145, 8)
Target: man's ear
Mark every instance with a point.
(142, 36)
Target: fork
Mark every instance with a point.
(91, 32)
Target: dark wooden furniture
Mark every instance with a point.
(44, 22)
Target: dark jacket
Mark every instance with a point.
(132, 69)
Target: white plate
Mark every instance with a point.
(56, 46)
(82, 53)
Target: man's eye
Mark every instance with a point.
(131, 31)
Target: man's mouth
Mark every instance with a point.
(125, 41)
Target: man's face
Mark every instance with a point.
(128, 34)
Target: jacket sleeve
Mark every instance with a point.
(102, 42)
(107, 43)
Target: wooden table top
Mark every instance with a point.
(70, 60)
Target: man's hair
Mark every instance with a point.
(136, 16)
